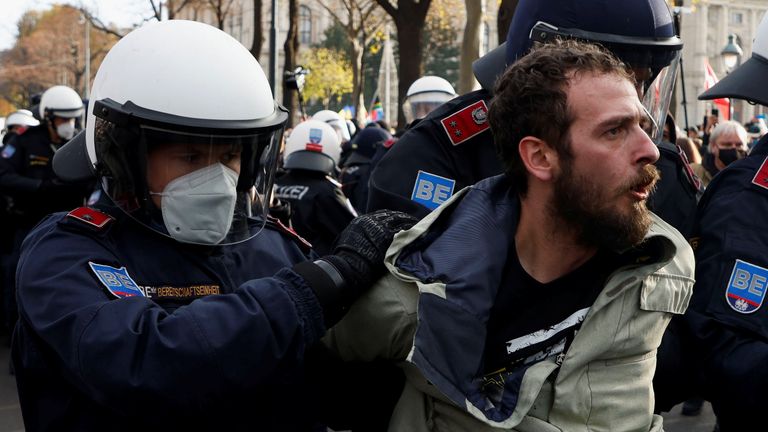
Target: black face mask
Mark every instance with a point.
(729, 156)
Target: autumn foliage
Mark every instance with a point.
(50, 50)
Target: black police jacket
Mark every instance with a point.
(727, 316)
(26, 175)
(319, 209)
(453, 148)
(122, 329)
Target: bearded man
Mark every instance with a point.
(536, 300)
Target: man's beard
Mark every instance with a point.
(590, 210)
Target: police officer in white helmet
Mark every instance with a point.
(173, 303)
(28, 180)
(319, 209)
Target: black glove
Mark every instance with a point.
(357, 260)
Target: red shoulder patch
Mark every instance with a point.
(278, 224)
(390, 142)
(466, 123)
(761, 177)
(91, 216)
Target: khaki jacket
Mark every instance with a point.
(604, 382)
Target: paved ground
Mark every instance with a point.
(10, 414)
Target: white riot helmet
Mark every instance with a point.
(192, 92)
(22, 118)
(426, 94)
(313, 145)
(335, 120)
(60, 101)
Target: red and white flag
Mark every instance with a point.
(710, 79)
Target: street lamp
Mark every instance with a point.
(731, 55)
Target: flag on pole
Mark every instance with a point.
(377, 110)
(710, 79)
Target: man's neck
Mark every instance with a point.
(546, 246)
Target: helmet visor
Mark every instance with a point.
(419, 105)
(196, 187)
(655, 88)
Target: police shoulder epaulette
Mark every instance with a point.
(92, 218)
(277, 225)
(761, 176)
(466, 122)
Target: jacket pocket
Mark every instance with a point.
(662, 292)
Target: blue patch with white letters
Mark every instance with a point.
(8, 151)
(746, 288)
(431, 190)
(315, 135)
(117, 280)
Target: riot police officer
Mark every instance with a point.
(424, 95)
(319, 209)
(17, 123)
(727, 314)
(452, 147)
(28, 181)
(160, 307)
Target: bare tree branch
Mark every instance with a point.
(97, 23)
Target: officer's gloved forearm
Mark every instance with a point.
(356, 263)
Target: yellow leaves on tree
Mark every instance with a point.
(50, 50)
(330, 75)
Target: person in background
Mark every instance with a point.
(17, 123)
(357, 167)
(727, 144)
(728, 317)
(690, 149)
(536, 299)
(173, 303)
(342, 130)
(319, 209)
(424, 95)
(28, 182)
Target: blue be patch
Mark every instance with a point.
(746, 288)
(116, 280)
(315, 135)
(8, 151)
(431, 190)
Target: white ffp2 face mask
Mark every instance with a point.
(66, 130)
(198, 207)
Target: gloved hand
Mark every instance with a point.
(359, 251)
(357, 261)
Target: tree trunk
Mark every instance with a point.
(291, 49)
(358, 100)
(258, 30)
(409, 18)
(470, 45)
(506, 12)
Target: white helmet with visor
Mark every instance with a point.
(182, 127)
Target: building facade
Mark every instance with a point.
(705, 26)
(313, 21)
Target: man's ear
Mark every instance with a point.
(539, 158)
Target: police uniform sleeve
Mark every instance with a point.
(129, 352)
(727, 315)
(12, 179)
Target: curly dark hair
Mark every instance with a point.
(530, 99)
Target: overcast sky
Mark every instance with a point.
(124, 13)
